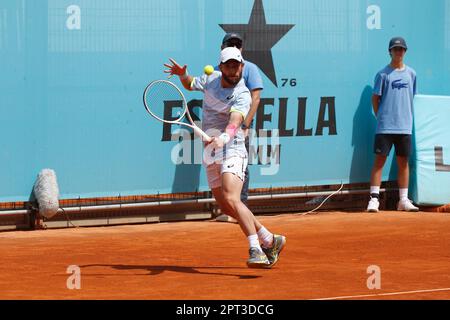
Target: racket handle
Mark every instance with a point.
(202, 134)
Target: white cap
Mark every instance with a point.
(231, 53)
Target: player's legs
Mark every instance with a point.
(231, 190)
(233, 170)
(403, 150)
(403, 172)
(377, 170)
(214, 174)
(245, 186)
(237, 166)
(272, 244)
(382, 147)
(375, 183)
(227, 210)
(402, 143)
(224, 207)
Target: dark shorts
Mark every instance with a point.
(402, 142)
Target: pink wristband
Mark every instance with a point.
(231, 130)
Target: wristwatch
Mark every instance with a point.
(244, 126)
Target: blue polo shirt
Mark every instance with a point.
(397, 89)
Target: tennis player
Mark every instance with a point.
(253, 81)
(393, 94)
(226, 104)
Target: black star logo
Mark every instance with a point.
(259, 38)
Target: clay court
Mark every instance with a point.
(327, 256)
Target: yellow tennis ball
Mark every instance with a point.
(208, 69)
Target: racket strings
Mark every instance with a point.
(164, 101)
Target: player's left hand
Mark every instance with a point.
(175, 68)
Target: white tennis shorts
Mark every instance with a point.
(235, 165)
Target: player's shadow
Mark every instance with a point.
(159, 269)
(363, 135)
(186, 178)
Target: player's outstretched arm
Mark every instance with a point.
(181, 71)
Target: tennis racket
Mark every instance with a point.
(158, 94)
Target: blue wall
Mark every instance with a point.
(70, 98)
(430, 183)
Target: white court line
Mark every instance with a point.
(385, 294)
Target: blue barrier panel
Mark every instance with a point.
(430, 178)
(72, 75)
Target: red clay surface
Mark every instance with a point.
(327, 255)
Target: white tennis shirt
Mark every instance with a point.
(218, 103)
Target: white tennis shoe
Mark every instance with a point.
(373, 206)
(406, 205)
